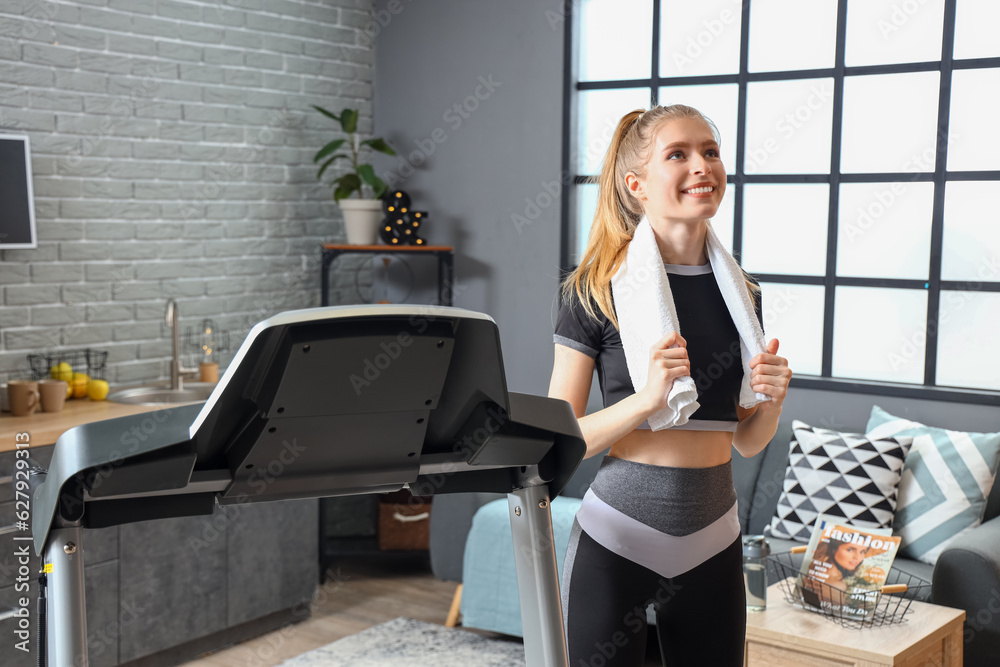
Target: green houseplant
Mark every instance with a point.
(362, 216)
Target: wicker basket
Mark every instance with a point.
(87, 360)
(404, 525)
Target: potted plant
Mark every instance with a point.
(362, 217)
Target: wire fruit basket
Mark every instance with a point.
(883, 607)
(94, 361)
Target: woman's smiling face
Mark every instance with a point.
(685, 177)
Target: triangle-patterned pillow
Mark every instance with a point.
(845, 475)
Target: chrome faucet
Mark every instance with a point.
(177, 372)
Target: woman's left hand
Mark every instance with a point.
(770, 374)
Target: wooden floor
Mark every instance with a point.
(357, 595)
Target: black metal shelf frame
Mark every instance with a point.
(738, 178)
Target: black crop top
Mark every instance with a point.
(713, 346)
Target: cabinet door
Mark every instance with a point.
(8, 506)
(104, 623)
(9, 547)
(100, 549)
(40, 455)
(98, 545)
(10, 656)
(173, 571)
(272, 557)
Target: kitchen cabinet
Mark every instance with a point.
(10, 656)
(163, 592)
(266, 572)
(102, 624)
(106, 616)
(180, 588)
(100, 557)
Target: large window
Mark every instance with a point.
(862, 143)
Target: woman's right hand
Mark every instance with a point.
(668, 360)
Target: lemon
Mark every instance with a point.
(69, 390)
(62, 371)
(97, 390)
(79, 383)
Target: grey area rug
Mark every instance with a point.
(406, 642)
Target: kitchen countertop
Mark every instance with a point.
(44, 428)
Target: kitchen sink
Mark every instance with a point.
(192, 392)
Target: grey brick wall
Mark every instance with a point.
(172, 145)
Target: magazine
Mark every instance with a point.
(844, 568)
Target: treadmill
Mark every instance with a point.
(374, 397)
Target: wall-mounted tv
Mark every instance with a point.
(17, 202)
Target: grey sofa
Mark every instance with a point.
(967, 574)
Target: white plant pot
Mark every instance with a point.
(362, 219)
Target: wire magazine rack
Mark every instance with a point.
(819, 597)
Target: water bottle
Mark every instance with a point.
(755, 552)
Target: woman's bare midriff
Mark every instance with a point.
(677, 449)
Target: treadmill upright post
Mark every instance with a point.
(537, 577)
(66, 619)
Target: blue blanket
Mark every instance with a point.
(489, 580)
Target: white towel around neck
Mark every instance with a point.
(646, 313)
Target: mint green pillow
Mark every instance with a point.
(947, 478)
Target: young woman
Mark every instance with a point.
(665, 496)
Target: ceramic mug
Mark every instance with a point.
(53, 394)
(23, 397)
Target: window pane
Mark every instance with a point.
(789, 127)
(719, 103)
(700, 38)
(973, 133)
(971, 244)
(976, 24)
(722, 223)
(794, 315)
(616, 39)
(892, 31)
(598, 113)
(790, 217)
(968, 328)
(885, 230)
(586, 206)
(783, 37)
(890, 123)
(879, 333)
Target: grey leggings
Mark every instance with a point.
(656, 535)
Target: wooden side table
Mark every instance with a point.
(445, 256)
(786, 636)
